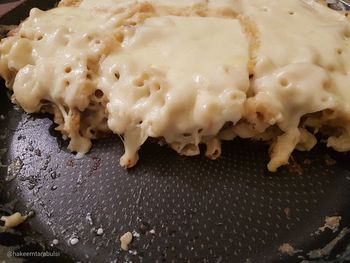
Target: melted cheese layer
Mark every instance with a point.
(174, 80)
(188, 72)
(298, 66)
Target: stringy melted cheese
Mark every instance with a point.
(188, 72)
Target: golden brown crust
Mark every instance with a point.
(69, 3)
(252, 32)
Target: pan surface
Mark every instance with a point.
(179, 209)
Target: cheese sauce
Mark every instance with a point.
(188, 72)
(173, 79)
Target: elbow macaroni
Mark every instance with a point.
(189, 72)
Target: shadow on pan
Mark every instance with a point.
(179, 209)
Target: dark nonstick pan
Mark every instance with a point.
(179, 209)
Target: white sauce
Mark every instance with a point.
(167, 83)
(184, 77)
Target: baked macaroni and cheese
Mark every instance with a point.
(187, 72)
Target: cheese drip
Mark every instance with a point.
(174, 82)
(302, 66)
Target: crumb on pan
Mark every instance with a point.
(332, 223)
(13, 220)
(286, 248)
(125, 240)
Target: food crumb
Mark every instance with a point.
(287, 212)
(70, 163)
(37, 152)
(331, 222)
(73, 241)
(31, 213)
(55, 242)
(89, 219)
(294, 167)
(99, 231)
(135, 234)
(14, 169)
(152, 231)
(286, 248)
(13, 220)
(125, 240)
(329, 161)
